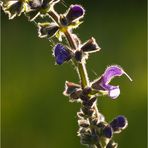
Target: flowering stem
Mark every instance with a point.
(54, 16)
(81, 67)
(70, 39)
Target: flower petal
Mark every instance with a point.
(114, 92)
(111, 72)
(61, 54)
(90, 46)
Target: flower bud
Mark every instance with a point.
(75, 12)
(107, 132)
(78, 55)
(87, 90)
(118, 124)
(83, 123)
(89, 138)
(89, 102)
(80, 115)
(88, 111)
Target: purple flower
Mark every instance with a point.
(61, 54)
(103, 82)
(75, 12)
(119, 123)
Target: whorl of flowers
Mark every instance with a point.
(94, 131)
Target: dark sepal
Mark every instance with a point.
(112, 144)
(83, 123)
(33, 14)
(63, 20)
(47, 30)
(78, 55)
(90, 46)
(89, 138)
(72, 90)
(13, 8)
(34, 4)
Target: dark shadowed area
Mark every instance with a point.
(35, 114)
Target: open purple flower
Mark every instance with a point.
(103, 82)
(61, 54)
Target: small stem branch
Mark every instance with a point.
(54, 16)
(70, 39)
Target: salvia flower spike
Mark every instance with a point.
(94, 131)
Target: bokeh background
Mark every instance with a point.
(35, 114)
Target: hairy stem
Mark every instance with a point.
(80, 66)
(83, 74)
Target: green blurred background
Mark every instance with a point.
(35, 114)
